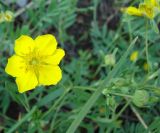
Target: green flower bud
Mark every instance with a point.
(110, 60)
(140, 98)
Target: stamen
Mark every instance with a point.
(33, 61)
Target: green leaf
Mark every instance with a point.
(50, 97)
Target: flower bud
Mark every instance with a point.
(110, 60)
(140, 98)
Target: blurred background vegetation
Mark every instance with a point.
(95, 35)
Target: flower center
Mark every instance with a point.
(34, 61)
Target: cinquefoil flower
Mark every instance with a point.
(149, 9)
(35, 62)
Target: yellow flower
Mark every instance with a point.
(146, 66)
(35, 62)
(134, 56)
(149, 9)
(8, 16)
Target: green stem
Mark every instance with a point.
(130, 31)
(93, 89)
(84, 10)
(27, 103)
(95, 10)
(123, 109)
(139, 117)
(84, 88)
(56, 103)
(20, 11)
(60, 31)
(119, 94)
(56, 113)
(146, 45)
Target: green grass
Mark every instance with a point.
(92, 95)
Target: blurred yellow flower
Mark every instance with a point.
(8, 16)
(35, 62)
(134, 56)
(149, 9)
(146, 66)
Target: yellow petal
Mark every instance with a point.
(27, 81)
(49, 75)
(147, 10)
(24, 45)
(151, 2)
(133, 11)
(46, 44)
(154, 2)
(15, 66)
(55, 58)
